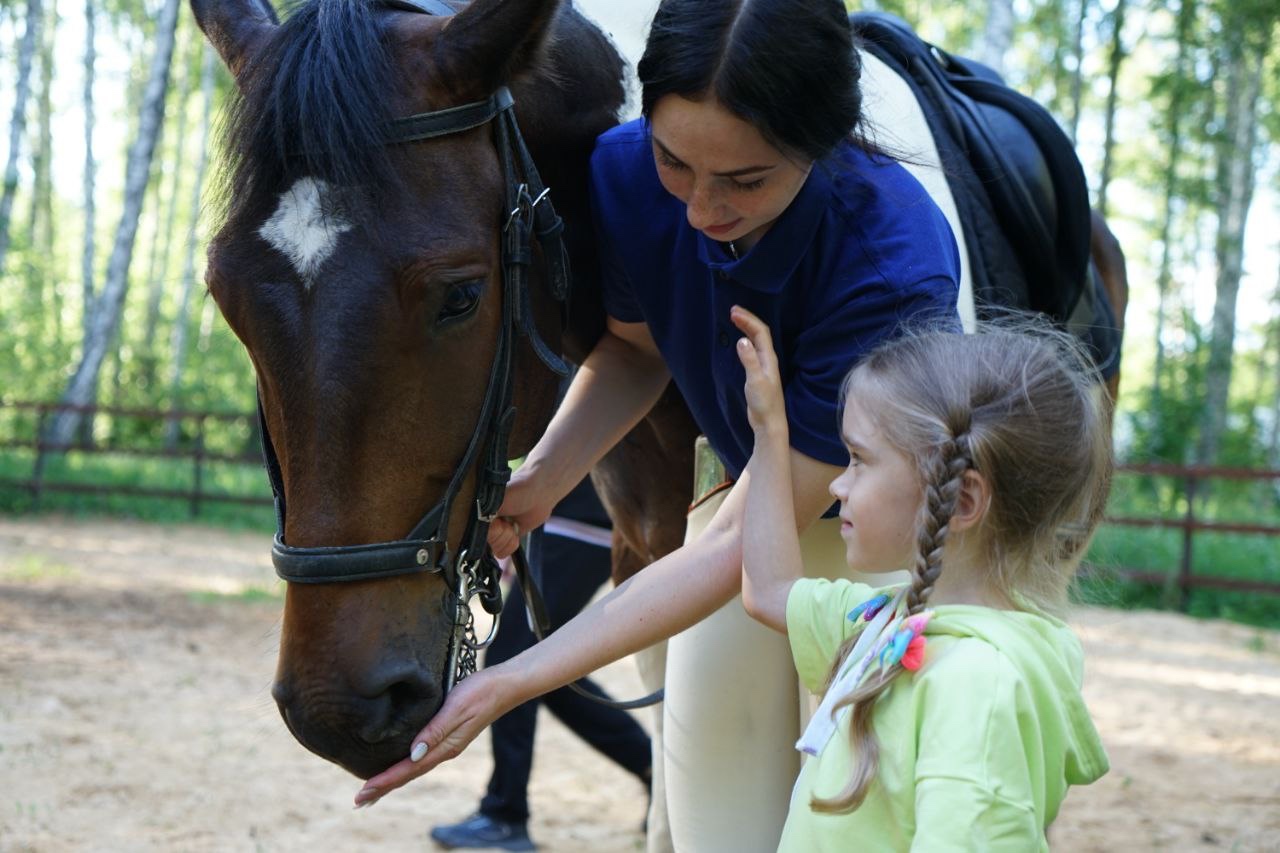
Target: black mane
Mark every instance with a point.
(314, 103)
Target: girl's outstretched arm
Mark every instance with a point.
(770, 544)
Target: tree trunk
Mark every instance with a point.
(1077, 76)
(1115, 60)
(90, 169)
(1177, 99)
(182, 321)
(106, 315)
(18, 124)
(1273, 443)
(1235, 181)
(165, 236)
(40, 217)
(88, 256)
(997, 35)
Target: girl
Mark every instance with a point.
(952, 716)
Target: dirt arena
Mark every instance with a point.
(135, 715)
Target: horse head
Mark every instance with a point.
(364, 275)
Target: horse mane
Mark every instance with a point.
(314, 102)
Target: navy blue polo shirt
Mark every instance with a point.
(860, 249)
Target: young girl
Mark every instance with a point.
(952, 716)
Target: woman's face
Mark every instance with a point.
(733, 183)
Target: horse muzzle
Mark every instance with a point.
(366, 726)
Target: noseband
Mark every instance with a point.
(469, 569)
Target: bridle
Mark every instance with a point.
(468, 569)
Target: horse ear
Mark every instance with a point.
(236, 28)
(490, 41)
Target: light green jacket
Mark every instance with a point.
(977, 748)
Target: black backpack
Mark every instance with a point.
(1019, 188)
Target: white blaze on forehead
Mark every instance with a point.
(305, 227)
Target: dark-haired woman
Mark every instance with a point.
(747, 182)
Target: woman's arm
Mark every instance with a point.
(663, 599)
(771, 561)
(615, 387)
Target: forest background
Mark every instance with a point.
(1174, 106)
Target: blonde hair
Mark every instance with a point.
(1019, 403)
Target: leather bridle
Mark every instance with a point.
(468, 568)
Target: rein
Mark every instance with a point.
(469, 569)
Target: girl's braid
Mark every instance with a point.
(943, 474)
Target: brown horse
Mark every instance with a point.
(365, 280)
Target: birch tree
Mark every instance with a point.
(1179, 87)
(1077, 75)
(87, 257)
(997, 36)
(1245, 58)
(108, 305)
(182, 322)
(1115, 59)
(18, 124)
(164, 238)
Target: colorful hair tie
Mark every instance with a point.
(868, 609)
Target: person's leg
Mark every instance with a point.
(733, 716)
(571, 572)
(729, 721)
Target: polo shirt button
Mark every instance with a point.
(724, 338)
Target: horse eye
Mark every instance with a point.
(460, 302)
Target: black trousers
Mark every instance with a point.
(568, 572)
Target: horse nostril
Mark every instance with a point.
(399, 704)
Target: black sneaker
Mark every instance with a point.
(482, 831)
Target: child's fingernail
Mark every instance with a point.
(419, 750)
(366, 798)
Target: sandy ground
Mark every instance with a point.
(135, 716)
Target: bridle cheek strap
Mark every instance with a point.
(470, 570)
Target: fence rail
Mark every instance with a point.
(1192, 477)
(38, 483)
(1186, 579)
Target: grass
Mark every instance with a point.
(114, 471)
(248, 595)
(28, 568)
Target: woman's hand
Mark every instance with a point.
(468, 709)
(524, 508)
(766, 409)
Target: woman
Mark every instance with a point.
(747, 181)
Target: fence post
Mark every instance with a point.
(199, 460)
(1188, 525)
(37, 471)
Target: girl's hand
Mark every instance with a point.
(470, 707)
(523, 509)
(765, 407)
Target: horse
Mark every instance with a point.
(365, 279)
(365, 260)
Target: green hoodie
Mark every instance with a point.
(977, 747)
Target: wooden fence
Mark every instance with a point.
(192, 448)
(1192, 479)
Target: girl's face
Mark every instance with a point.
(880, 495)
(733, 183)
